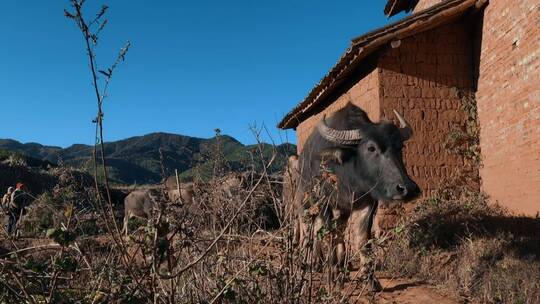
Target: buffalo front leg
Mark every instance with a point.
(358, 234)
(309, 241)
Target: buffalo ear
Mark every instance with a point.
(337, 155)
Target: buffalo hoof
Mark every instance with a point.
(374, 285)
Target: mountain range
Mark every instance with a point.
(145, 159)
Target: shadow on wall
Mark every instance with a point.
(477, 36)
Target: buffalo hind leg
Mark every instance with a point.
(338, 256)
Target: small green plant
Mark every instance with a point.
(464, 139)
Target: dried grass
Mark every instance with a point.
(469, 248)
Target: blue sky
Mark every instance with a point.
(193, 66)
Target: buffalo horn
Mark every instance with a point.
(344, 137)
(404, 127)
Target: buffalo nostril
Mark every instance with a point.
(400, 189)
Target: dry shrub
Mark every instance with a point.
(470, 248)
(73, 255)
(217, 202)
(74, 189)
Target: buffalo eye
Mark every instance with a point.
(371, 149)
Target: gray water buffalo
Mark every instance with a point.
(141, 204)
(230, 183)
(353, 163)
(184, 193)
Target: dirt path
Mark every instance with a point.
(408, 291)
(399, 291)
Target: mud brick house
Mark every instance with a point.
(423, 65)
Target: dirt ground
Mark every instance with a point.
(405, 291)
(398, 291)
